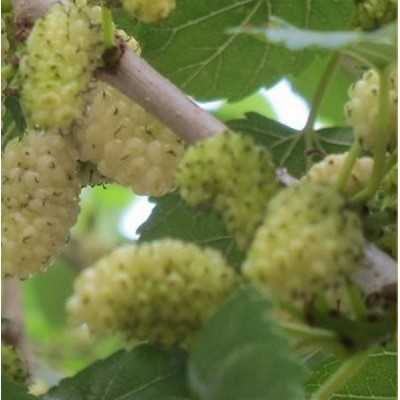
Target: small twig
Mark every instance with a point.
(326, 78)
(139, 81)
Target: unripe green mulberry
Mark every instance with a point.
(39, 201)
(235, 176)
(307, 245)
(128, 145)
(362, 110)
(372, 14)
(160, 292)
(62, 52)
(327, 171)
(12, 365)
(149, 10)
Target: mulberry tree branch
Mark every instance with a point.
(134, 77)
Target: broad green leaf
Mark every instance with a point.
(286, 144)
(145, 373)
(13, 391)
(240, 354)
(376, 381)
(192, 47)
(377, 47)
(173, 218)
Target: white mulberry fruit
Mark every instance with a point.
(308, 244)
(40, 201)
(234, 175)
(149, 10)
(362, 110)
(128, 145)
(62, 52)
(160, 292)
(327, 171)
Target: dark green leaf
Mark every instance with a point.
(192, 47)
(173, 218)
(13, 391)
(376, 381)
(144, 373)
(240, 354)
(286, 144)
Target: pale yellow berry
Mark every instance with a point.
(39, 201)
(308, 245)
(62, 52)
(159, 292)
(128, 145)
(362, 109)
(234, 175)
(149, 10)
(327, 171)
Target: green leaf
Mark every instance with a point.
(240, 354)
(173, 218)
(13, 391)
(192, 47)
(286, 144)
(377, 380)
(144, 373)
(377, 47)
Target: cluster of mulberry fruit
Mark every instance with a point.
(235, 176)
(62, 52)
(161, 291)
(40, 201)
(362, 110)
(308, 244)
(128, 145)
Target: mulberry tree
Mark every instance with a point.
(266, 268)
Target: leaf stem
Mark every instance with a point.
(381, 141)
(347, 167)
(316, 103)
(108, 27)
(345, 372)
(312, 337)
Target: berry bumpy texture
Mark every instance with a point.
(39, 201)
(62, 52)
(128, 145)
(372, 14)
(12, 365)
(362, 110)
(327, 171)
(234, 175)
(161, 292)
(307, 245)
(149, 11)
